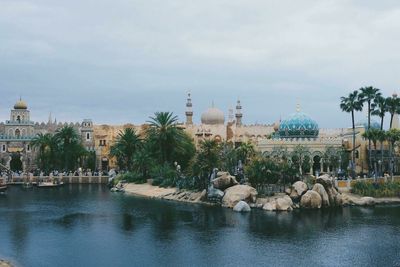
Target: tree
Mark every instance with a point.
(245, 151)
(127, 144)
(351, 104)
(380, 108)
(165, 136)
(393, 136)
(70, 147)
(44, 143)
(393, 107)
(206, 159)
(373, 136)
(368, 94)
(301, 158)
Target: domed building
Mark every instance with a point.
(213, 116)
(298, 125)
(373, 124)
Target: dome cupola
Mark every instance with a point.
(298, 125)
(20, 104)
(213, 116)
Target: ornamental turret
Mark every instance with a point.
(238, 114)
(189, 110)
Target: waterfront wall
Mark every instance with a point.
(67, 179)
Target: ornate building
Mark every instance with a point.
(16, 134)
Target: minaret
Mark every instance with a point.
(189, 110)
(395, 123)
(230, 116)
(238, 114)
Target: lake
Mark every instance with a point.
(86, 225)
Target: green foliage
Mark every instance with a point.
(64, 150)
(164, 175)
(130, 177)
(389, 189)
(124, 149)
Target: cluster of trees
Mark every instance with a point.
(377, 105)
(62, 151)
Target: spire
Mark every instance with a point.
(189, 110)
(238, 114)
(50, 119)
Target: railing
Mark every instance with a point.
(67, 179)
(348, 184)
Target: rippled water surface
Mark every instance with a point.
(89, 226)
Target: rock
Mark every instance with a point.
(214, 194)
(242, 206)
(365, 201)
(325, 180)
(237, 193)
(311, 200)
(288, 191)
(319, 188)
(294, 195)
(224, 180)
(284, 203)
(203, 195)
(270, 206)
(300, 187)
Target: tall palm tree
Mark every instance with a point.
(373, 136)
(351, 104)
(127, 144)
(393, 107)
(245, 151)
(393, 136)
(165, 134)
(367, 95)
(380, 108)
(43, 143)
(70, 146)
(382, 138)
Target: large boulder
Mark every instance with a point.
(335, 198)
(300, 187)
(242, 206)
(224, 180)
(284, 203)
(270, 206)
(311, 200)
(365, 201)
(325, 180)
(319, 188)
(214, 194)
(237, 193)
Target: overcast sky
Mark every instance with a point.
(120, 61)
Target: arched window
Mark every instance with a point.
(87, 136)
(17, 133)
(19, 118)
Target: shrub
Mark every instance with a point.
(131, 177)
(389, 189)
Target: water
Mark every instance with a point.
(89, 226)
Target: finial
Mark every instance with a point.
(298, 107)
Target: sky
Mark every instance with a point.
(120, 61)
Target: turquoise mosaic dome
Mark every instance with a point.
(374, 124)
(298, 125)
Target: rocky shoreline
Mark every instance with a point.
(243, 198)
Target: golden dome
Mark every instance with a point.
(20, 104)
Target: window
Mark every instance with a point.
(28, 148)
(87, 136)
(102, 143)
(17, 133)
(18, 118)
(3, 148)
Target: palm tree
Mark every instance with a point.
(164, 134)
(43, 143)
(393, 107)
(373, 136)
(245, 151)
(393, 136)
(70, 146)
(128, 143)
(380, 108)
(369, 94)
(351, 104)
(382, 138)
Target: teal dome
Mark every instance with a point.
(364, 123)
(298, 125)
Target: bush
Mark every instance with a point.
(163, 175)
(389, 189)
(130, 177)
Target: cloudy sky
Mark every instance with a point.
(120, 61)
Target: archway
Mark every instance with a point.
(16, 163)
(317, 163)
(104, 164)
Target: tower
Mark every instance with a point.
(189, 110)
(238, 114)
